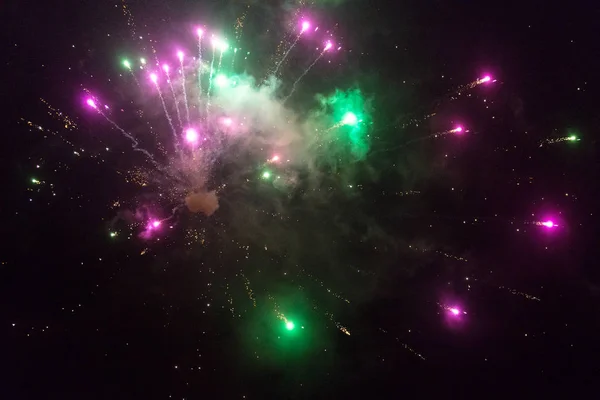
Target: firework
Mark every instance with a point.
(304, 27)
(266, 147)
(327, 47)
(570, 138)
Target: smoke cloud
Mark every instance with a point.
(204, 202)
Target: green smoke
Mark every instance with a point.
(350, 112)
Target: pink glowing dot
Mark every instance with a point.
(153, 77)
(166, 68)
(227, 121)
(200, 32)
(91, 103)
(180, 56)
(155, 224)
(305, 26)
(458, 129)
(486, 78)
(454, 311)
(191, 135)
(328, 45)
(275, 158)
(548, 224)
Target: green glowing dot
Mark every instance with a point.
(266, 175)
(350, 119)
(289, 325)
(572, 138)
(113, 234)
(223, 46)
(221, 80)
(33, 180)
(126, 64)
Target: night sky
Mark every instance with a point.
(443, 240)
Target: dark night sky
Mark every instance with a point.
(82, 316)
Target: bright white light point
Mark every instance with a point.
(166, 68)
(91, 103)
(305, 26)
(180, 56)
(14, 324)
(191, 135)
(156, 224)
(458, 129)
(200, 32)
(153, 78)
(548, 224)
(275, 158)
(454, 311)
(349, 119)
(221, 80)
(486, 78)
(227, 121)
(143, 61)
(328, 45)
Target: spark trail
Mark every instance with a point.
(154, 79)
(210, 78)
(135, 143)
(166, 69)
(127, 65)
(328, 46)
(305, 26)
(200, 33)
(187, 109)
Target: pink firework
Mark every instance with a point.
(305, 26)
(154, 78)
(200, 32)
(328, 45)
(91, 103)
(180, 56)
(191, 135)
(154, 224)
(166, 68)
(454, 311)
(548, 224)
(227, 121)
(458, 129)
(486, 78)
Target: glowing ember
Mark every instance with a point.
(191, 135)
(548, 224)
(305, 26)
(153, 78)
(180, 56)
(91, 103)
